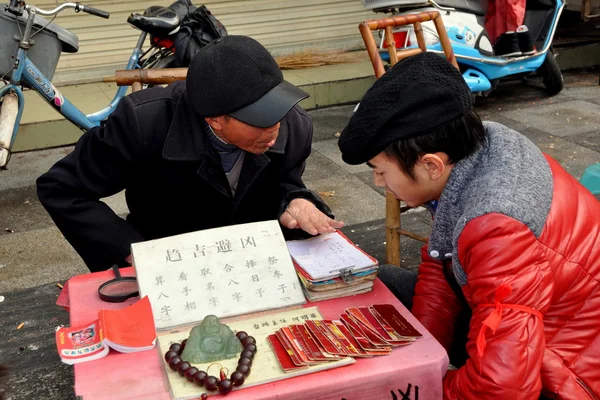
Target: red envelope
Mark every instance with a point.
(312, 347)
(361, 338)
(289, 349)
(282, 355)
(348, 347)
(298, 348)
(322, 338)
(396, 321)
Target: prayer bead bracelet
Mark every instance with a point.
(201, 378)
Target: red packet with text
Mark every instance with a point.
(362, 352)
(289, 349)
(366, 313)
(322, 338)
(348, 346)
(282, 355)
(365, 327)
(395, 320)
(341, 349)
(361, 338)
(391, 333)
(312, 349)
(298, 347)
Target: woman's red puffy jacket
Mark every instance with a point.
(535, 302)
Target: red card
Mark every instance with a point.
(341, 349)
(357, 316)
(369, 332)
(348, 347)
(358, 334)
(289, 349)
(313, 349)
(282, 355)
(373, 322)
(298, 348)
(353, 342)
(396, 321)
(321, 338)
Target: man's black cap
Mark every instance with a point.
(416, 96)
(237, 76)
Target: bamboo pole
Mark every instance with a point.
(402, 54)
(391, 45)
(446, 46)
(150, 76)
(136, 86)
(392, 227)
(367, 36)
(413, 235)
(420, 37)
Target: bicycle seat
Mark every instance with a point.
(477, 7)
(159, 21)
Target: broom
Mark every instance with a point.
(312, 58)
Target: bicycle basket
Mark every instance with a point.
(49, 43)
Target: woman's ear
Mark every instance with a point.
(435, 164)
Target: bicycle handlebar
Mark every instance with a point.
(77, 6)
(93, 11)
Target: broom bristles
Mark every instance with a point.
(311, 58)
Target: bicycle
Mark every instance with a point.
(33, 67)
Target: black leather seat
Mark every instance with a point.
(477, 7)
(159, 21)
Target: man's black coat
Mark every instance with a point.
(155, 148)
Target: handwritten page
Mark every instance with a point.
(225, 271)
(326, 255)
(265, 367)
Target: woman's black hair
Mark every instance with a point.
(458, 139)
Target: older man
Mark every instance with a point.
(227, 146)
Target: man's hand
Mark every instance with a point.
(302, 214)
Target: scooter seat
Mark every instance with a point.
(477, 7)
(159, 21)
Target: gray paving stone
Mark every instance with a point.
(33, 258)
(354, 202)
(329, 148)
(572, 156)
(562, 119)
(318, 167)
(515, 95)
(25, 168)
(329, 121)
(21, 211)
(587, 93)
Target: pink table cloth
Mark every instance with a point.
(411, 372)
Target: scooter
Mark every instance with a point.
(464, 21)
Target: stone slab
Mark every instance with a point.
(562, 119)
(350, 196)
(330, 149)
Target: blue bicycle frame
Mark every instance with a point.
(26, 72)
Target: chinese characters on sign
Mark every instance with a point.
(225, 271)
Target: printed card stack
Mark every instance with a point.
(360, 332)
(331, 266)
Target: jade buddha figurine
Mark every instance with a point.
(211, 341)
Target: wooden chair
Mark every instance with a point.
(392, 208)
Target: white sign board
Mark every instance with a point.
(225, 271)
